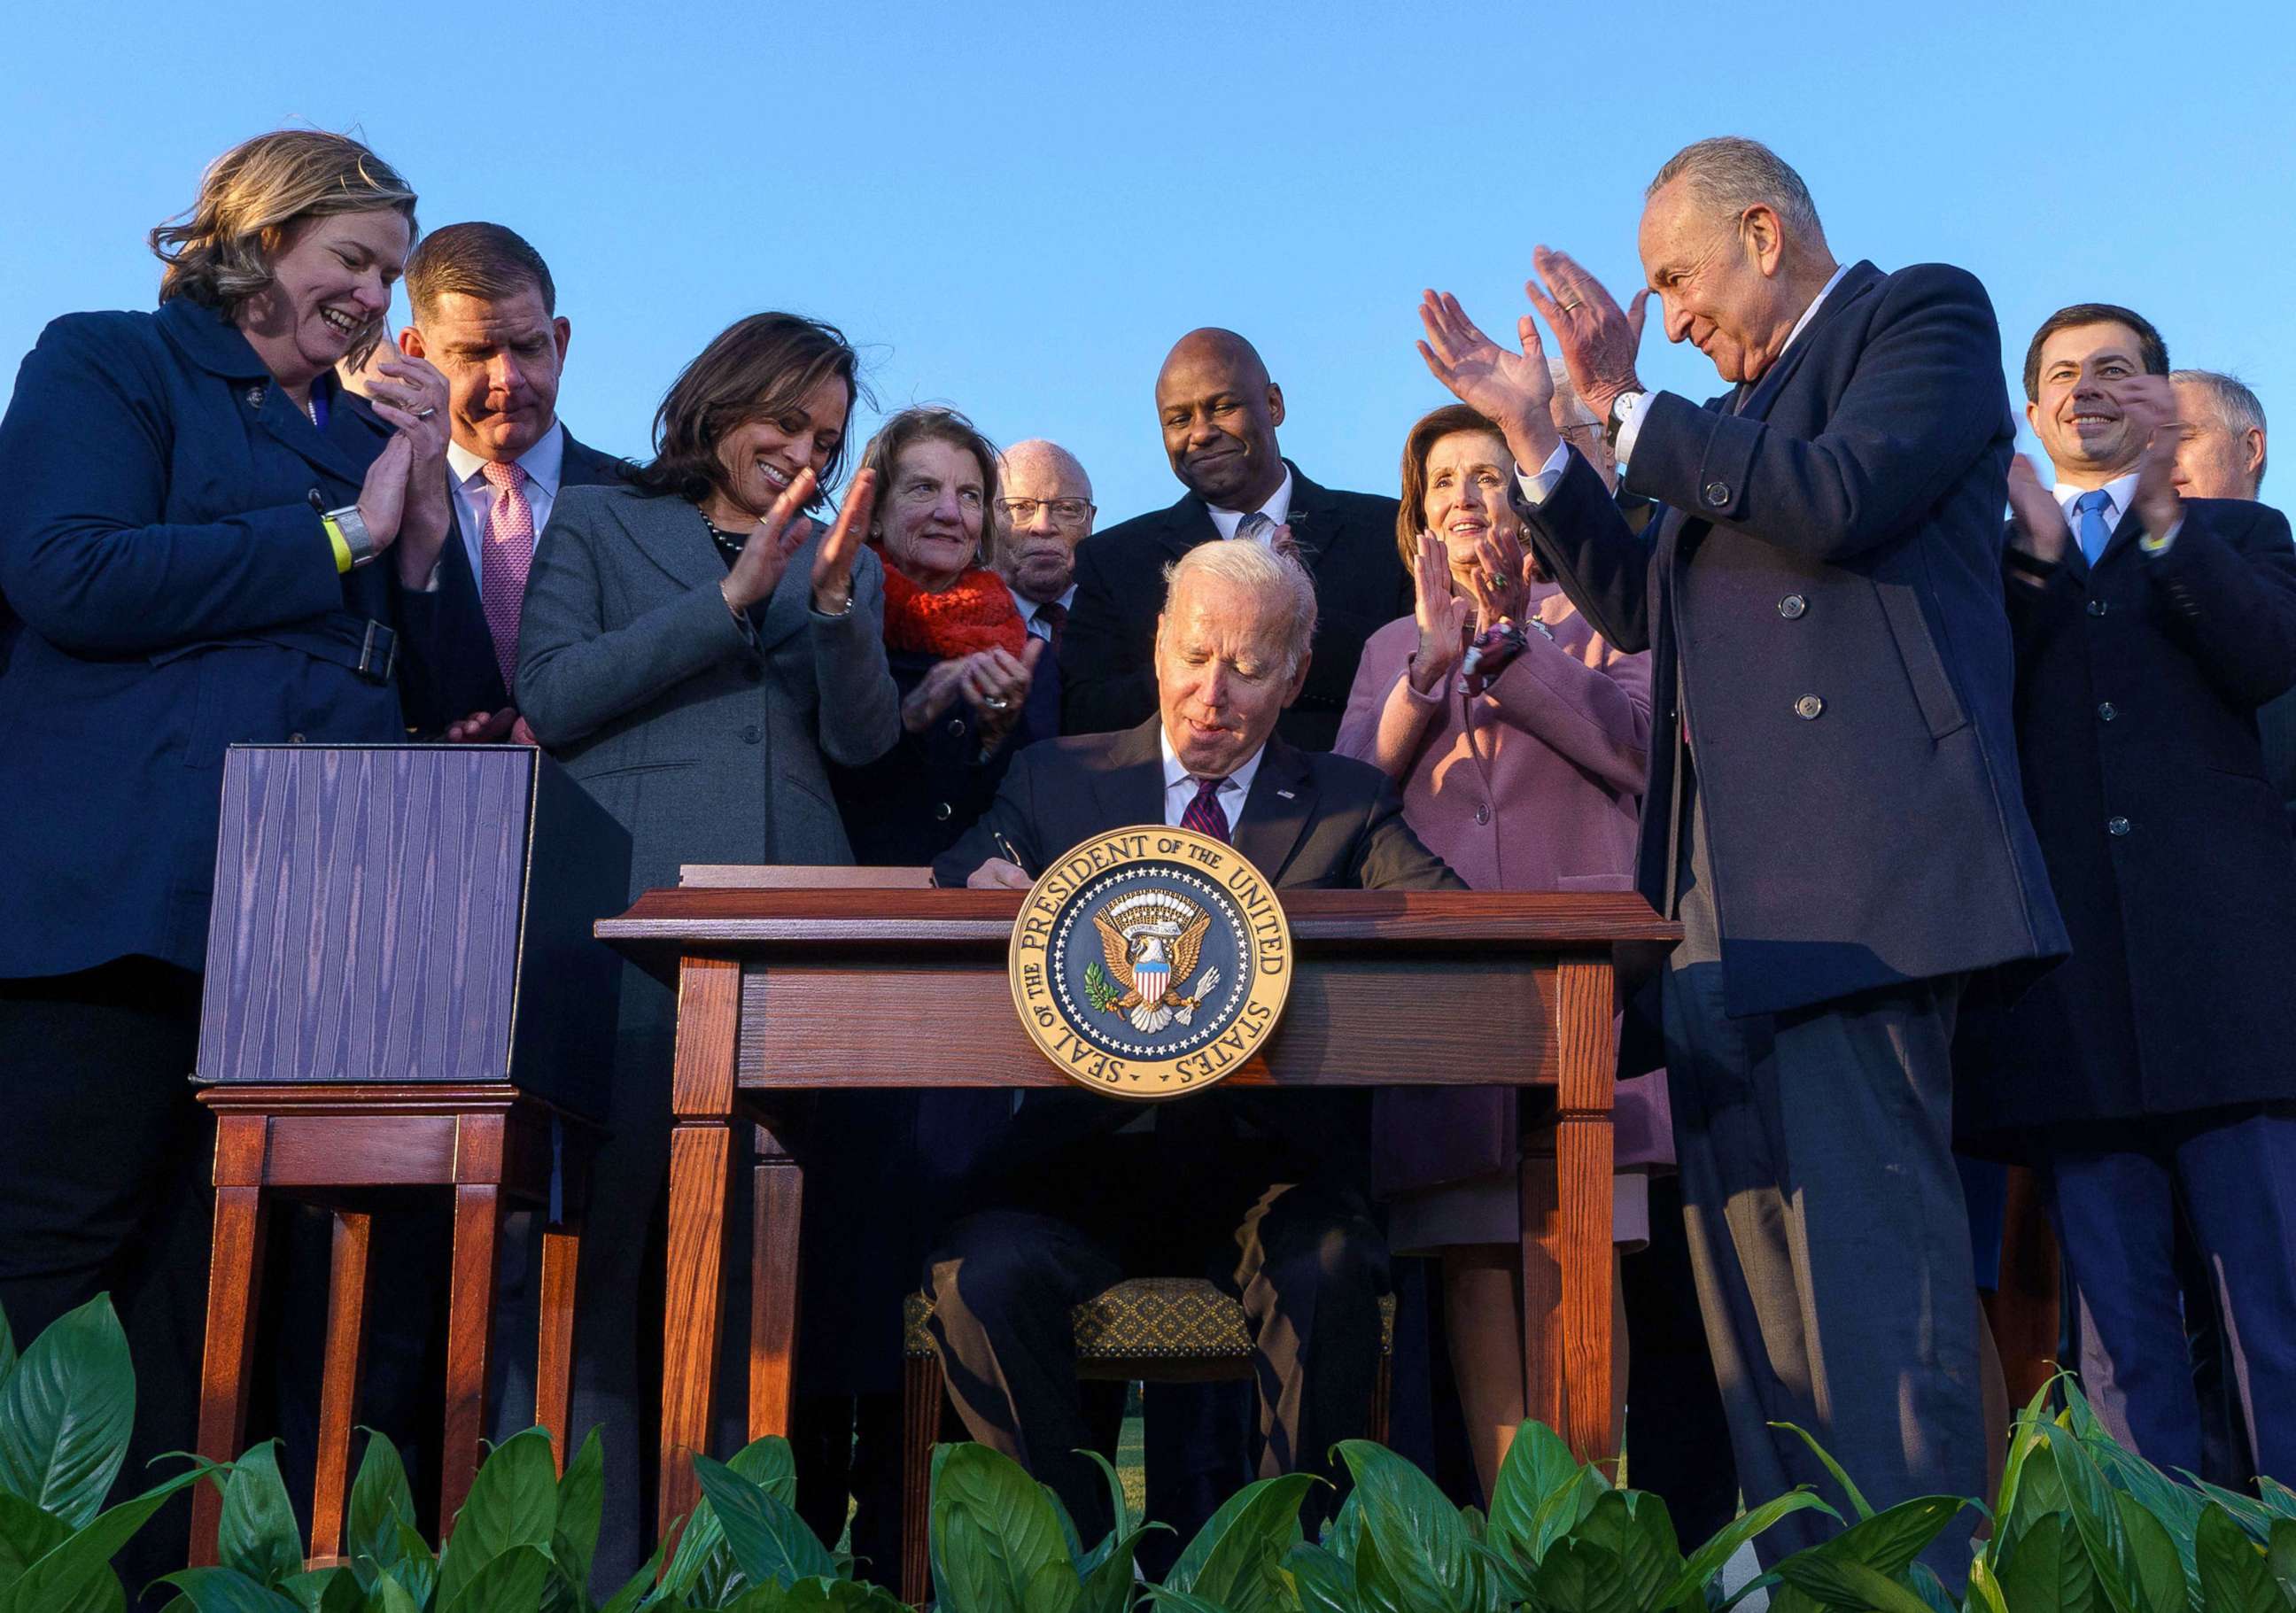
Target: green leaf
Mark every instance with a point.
(2280, 1554)
(1985, 1594)
(1240, 1563)
(1107, 1584)
(66, 1412)
(1421, 1537)
(2278, 1498)
(1623, 1554)
(2159, 1570)
(1857, 1498)
(229, 1591)
(1889, 1541)
(2235, 1576)
(1376, 1590)
(394, 1597)
(325, 1591)
(1707, 1562)
(1320, 1582)
(2246, 1511)
(992, 1529)
(511, 1580)
(76, 1573)
(2049, 1571)
(1538, 1466)
(1844, 1582)
(1342, 1533)
(7, 1347)
(768, 1463)
(257, 1535)
(581, 1512)
(26, 1534)
(513, 1501)
(1164, 1596)
(379, 1503)
(766, 1536)
(2095, 1518)
(1118, 1509)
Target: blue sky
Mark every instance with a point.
(1016, 208)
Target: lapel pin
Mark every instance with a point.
(1285, 793)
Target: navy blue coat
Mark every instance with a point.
(167, 589)
(1826, 581)
(2137, 687)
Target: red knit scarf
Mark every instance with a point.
(975, 612)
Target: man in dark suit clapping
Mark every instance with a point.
(1266, 1193)
(1219, 413)
(486, 314)
(1832, 807)
(2152, 1076)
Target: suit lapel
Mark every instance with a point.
(1311, 519)
(1277, 812)
(791, 603)
(1861, 279)
(350, 429)
(1130, 788)
(670, 532)
(2126, 532)
(1187, 524)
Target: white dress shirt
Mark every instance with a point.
(1028, 608)
(474, 495)
(1180, 784)
(1278, 510)
(2118, 492)
(1537, 485)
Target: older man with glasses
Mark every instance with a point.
(1043, 511)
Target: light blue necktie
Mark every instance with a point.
(1252, 525)
(2090, 507)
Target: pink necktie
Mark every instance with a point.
(507, 553)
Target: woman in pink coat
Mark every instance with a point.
(1519, 738)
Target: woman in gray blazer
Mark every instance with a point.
(691, 650)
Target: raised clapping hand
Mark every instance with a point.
(1513, 389)
(410, 396)
(994, 683)
(758, 570)
(1441, 616)
(1598, 342)
(1497, 581)
(2037, 525)
(2150, 402)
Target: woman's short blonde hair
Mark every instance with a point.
(220, 252)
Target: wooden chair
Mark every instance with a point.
(1156, 1329)
(354, 1150)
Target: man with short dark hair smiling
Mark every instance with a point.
(486, 314)
(1219, 411)
(2152, 1075)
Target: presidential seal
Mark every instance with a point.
(1150, 961)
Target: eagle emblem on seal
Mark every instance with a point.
(1150, 939)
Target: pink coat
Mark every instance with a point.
(1533, 785)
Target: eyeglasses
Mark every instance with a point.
(1066, 511)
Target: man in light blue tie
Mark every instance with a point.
(2150, 1077)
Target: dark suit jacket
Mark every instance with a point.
(460, 675)
(1830, 555)
(2137, 686)
(168, 590)
(1347, 541)
(1313, 821)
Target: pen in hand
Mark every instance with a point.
(1012, 855)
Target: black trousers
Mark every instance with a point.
(1828, 1234)
(105, 1162)
(1307, 1260)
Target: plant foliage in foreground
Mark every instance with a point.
(2082, 1525)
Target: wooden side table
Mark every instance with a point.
(340, 1145)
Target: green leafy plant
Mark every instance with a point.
(1099, 988)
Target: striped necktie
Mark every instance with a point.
(1205, 814)
(1255, 526)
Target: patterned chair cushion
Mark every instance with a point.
(1151, 1319)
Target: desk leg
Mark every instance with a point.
(774, 1286)
(1542, 1272)
(1582, 1172)
(700, 1164)
(234, 1270)
(554, 1370)
(470, 1340)
(339, 1384)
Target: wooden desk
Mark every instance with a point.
(788, 991)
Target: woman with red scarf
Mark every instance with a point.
(960, 656)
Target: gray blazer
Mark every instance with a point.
(702, 737)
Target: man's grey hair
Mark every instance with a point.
(1267, 572)
(1729, 174)
(2238, 408)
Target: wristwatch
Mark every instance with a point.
(350, 534)
(1622, 407)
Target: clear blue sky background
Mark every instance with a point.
(1015, 207)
